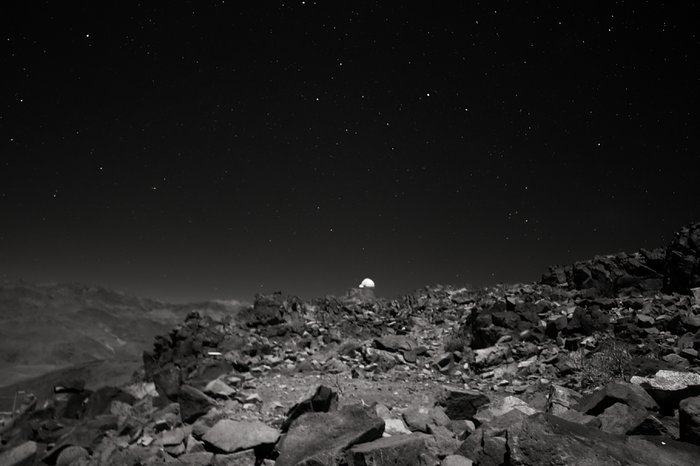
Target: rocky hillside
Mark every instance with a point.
(50, 327)
(597, 364)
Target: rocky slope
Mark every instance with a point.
(597, 364)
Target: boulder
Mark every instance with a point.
(395, 343)
(71, 455)
(547, 439)
(323, 400)
(101, 400)
(461, 404)
(501, 407)
(669, 388)
(407, 450)
(617, 392)
(689, 420)
(323, 438)
(193, 403)
(229, 436)
(621, 419)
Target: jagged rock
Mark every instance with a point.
(461, 404)
(173, 437)
(689, 420)
(167, 380)
(323, 400)
(621, 419)
(491, 356)
(230, 436)
(193, 403)
(669, 388)
(628, 393)
(487, 446)
(408, 450)
(322, 438)
(21, 455)
(547, 439)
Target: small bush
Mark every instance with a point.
(610, 361)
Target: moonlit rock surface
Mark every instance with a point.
(367, 283)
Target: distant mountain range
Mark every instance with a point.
(48, 327)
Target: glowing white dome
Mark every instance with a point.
(367, 283)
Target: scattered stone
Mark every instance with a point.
(193, 403)
(621, 419)
(622, 392)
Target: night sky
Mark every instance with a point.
(191, 150)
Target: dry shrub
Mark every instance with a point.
(610, 361)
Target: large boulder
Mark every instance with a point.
(323, 438)
(547, 439)
(324, 399)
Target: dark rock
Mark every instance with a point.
(408, 450)
(547, 439)
(617, 392)
(682, 267)
(167, 380)
(86, 434)
(621, 419)
(323, 400)
(193, 403)
(395, 343)
(461, 404)
(322, 438)
(101, 400)
(689, 420)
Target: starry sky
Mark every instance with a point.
(195, 150)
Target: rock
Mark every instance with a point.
(461, 404)
(408, 450)
(418, 417)
(201, 458)
(669, 388)
(395, 343)
(547, 439)
(241, 458)
(193, 403)
(689, 420)
(219, 388)
(101, 400)
(71, 456)
(487, 445)
(456, 460)
(230, 436)
(622, 392)
(491, 356)
(561, 400)
(501, 407)
(395, 427)
(621, 419)
(21, 455)
(173, 437)
(167, 380)
(322, 438)
(323, 400)
(682, 266)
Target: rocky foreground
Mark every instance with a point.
(596, 365)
